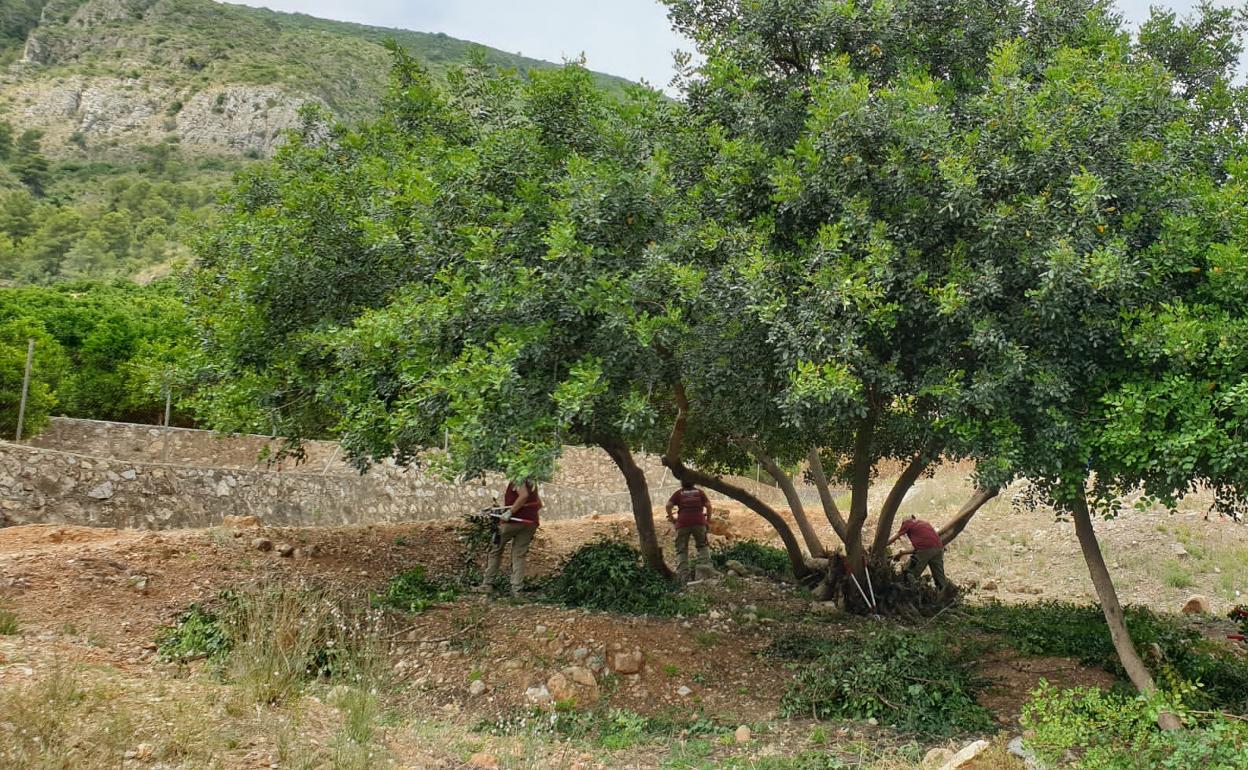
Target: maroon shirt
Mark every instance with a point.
(922, 535)
(691, 507)
(528, 512)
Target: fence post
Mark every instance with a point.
(21, 409)
(164, 450)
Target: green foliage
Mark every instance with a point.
(101, 351)
(608, 575)
(1079, 631)
(917, 681)
(1115, 731)
(612, 729)
(769, 559)
(413, 591)
(197, 633)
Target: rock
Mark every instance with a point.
(873, 722)
(560, 688)
(262, 544)
(1017, 748)
(142, 752)
(684, 691)
(538, 696)
(1154, 654)
(627, 662)
(101, 491)
(1178, 550)
(541, 630)
(989, 585)
(286, 550)
(129, 474)
(581, 676)
(965, 756)
(483, 761)
(595, 663)
(476, 688)
(743, 734)
(241, 522)
(138, 583)
(737, 568)
(825, 608)
(580, 653)
(1197, 605)
(936, 758)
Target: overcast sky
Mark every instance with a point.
(630, 38)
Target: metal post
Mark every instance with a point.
(21, 409)
(164, 450)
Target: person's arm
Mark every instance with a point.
(896, 537)
(522, 495)
(706, 502)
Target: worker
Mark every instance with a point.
(690, 510)
(517, 525)
(928, 550)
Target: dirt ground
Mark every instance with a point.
(94, 599)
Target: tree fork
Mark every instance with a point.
(672, 460)
(965, 514)
(1114, 617)
(785, 482)
(860, 486)
(888, 512)
(643, 507)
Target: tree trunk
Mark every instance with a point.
(672, 460)
(860, 486)
(825, 494)
(965, 514)
(785, 482)
(643, 509)
(1114, 617)
(888, 512)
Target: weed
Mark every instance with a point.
(1079, 631)
(706, 638)
(1176, 576)
(917, 681)
(670, 669)
(197, 633)
(9, 624)
(1116, 731)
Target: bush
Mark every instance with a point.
(413, 591)
(197, 633)
(9, 625)
(1116, 731)
(608, 575)
(916, 681)
(773, 561)
(1079, 631)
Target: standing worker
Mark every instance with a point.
(517, 526)
(929, 550)
(690, 509)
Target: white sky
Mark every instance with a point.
(630, 38)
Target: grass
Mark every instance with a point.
(9, 624)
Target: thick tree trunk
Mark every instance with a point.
(860, 487)
(1114, 617)
(965, 514)
(643, 509)
(888, 512)
(825, 494)
(672, 460)
(785, 482)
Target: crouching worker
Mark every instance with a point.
(690, 509)
(928, 551)
(517, 526)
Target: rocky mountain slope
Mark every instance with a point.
(103, 77)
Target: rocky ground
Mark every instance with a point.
(89, 603)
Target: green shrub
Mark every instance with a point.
(800, 647)
(1117, 731)
(1079, 631)
(413, 591)
(608, 575)
(197, 633)
(773, 561)
(918, 682)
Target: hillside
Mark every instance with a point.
(100, 75)
(119, 119)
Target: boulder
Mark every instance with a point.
(936, 758)
(101, 491)
(581, 676)
(538, 696)
(476, 688)
(262, 544)
(1197, 605)
(626, 662)
(286, 550)
(964, 757)
(737, 568)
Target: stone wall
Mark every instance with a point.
(111, 474)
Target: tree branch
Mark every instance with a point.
(966, 513)
(825, 494)
(785, 482)
(888, 512)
